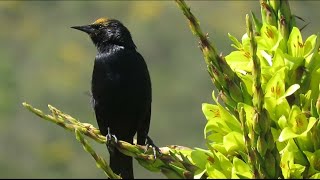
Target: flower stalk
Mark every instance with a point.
(172, 162)
(219, 70)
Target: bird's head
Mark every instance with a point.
(105, 31)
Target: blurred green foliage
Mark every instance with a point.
(44, 61)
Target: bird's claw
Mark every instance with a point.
(109, 137)
(155, 149)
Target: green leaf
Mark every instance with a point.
(198, 174)
(285, 163)
(297, 120)
(270, 104)
(276, 133)
(313, 60)
(277, 60)
(220, 147)
(256, 22)
(219, 166)
(293, 62)
(266, 59)
(246, 43)
(236, 44)
(305, 100)
(249, 113)
(276, 86)
(282, 122)
(282, 108)
(314, 83)
(290, 90)
(234, 142)
(240, 169)
(213, 173)
(296, 171)
(219, 119)
(269, 39)
(215, 122)
(170, 174)
(292, 161)
(239, 60)
(287, 133)
(315, 176)
(295, 43)
(309, 45)
(275, 94)
(314, 159)
(180, 171)
(200, 157)
(213, 137)
(247, 79)
(223, 163)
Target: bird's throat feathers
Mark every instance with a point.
(108, 49)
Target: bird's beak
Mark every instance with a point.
(87, 28)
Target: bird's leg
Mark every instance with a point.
(155, 149)
(109, 137)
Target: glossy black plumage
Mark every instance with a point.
(121, 88)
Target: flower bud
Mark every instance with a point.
(262, 146)
(270, 163)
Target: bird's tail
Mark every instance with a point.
(121, 164)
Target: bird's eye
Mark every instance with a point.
(97, 26)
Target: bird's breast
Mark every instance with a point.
(112, 76)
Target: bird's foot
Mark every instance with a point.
(155, 149)
(109, 137)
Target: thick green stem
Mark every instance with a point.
(165, 162)
(101, 163)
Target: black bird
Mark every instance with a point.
(121, 89)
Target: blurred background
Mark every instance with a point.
(44, 61)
